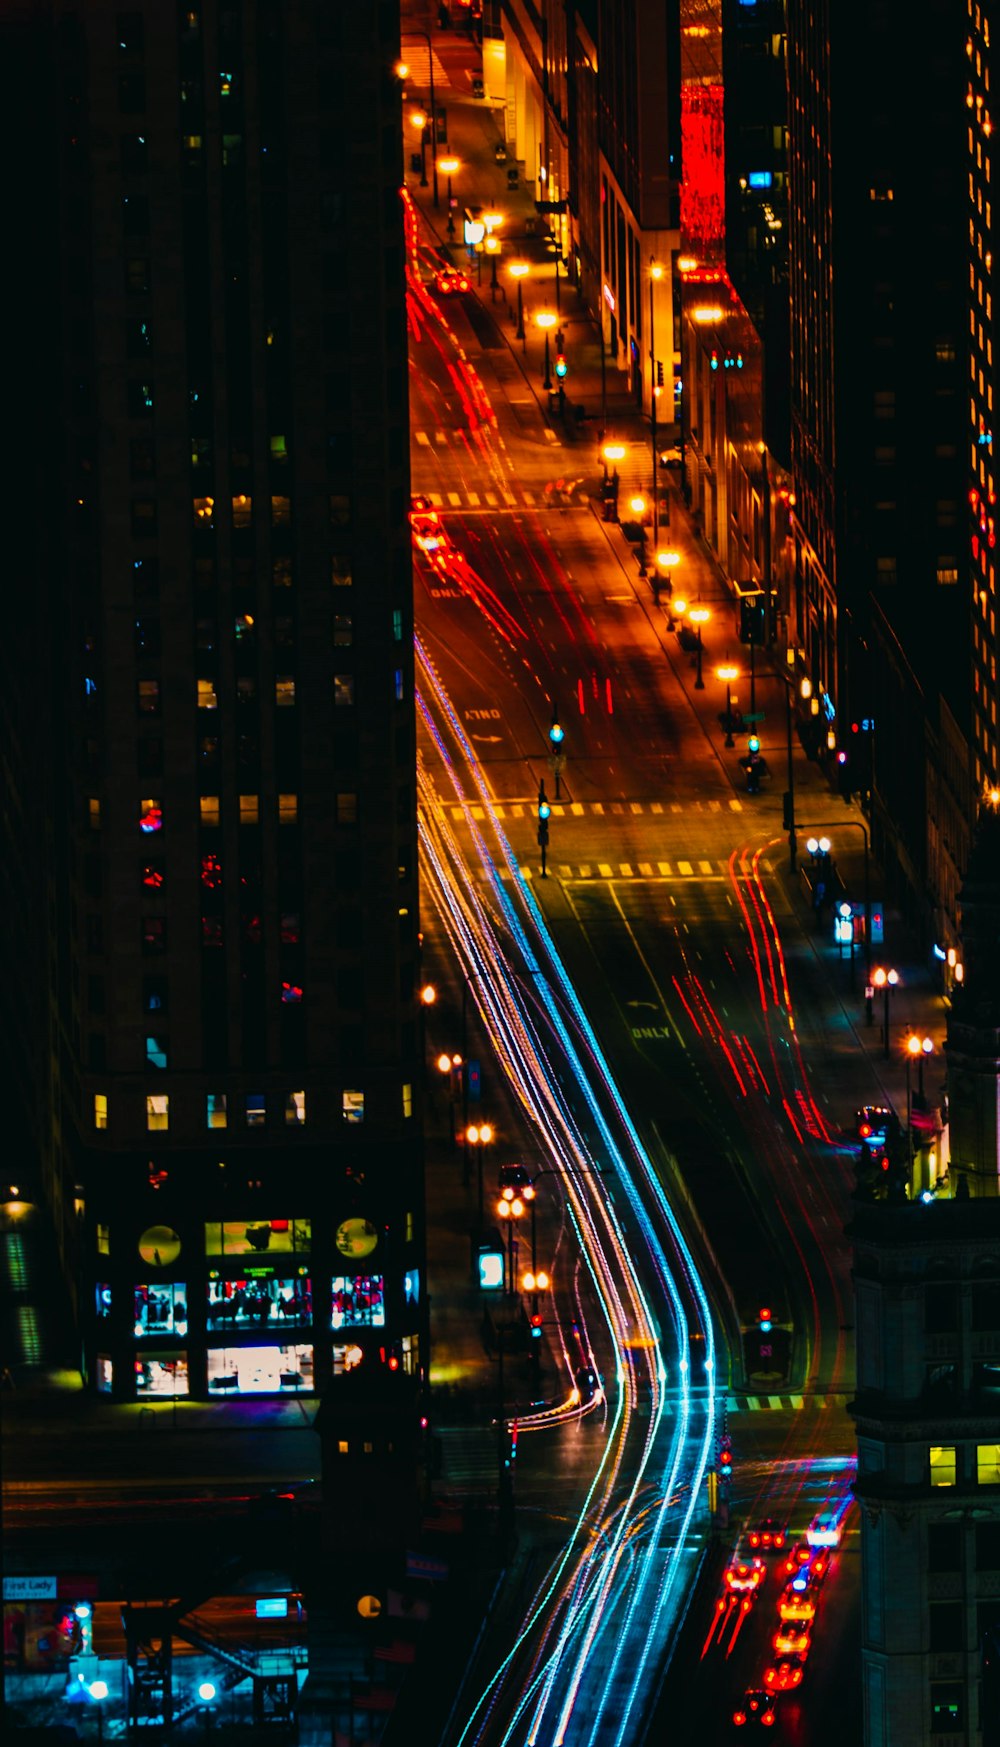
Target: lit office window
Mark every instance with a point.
(943, 1465)
(157, 1110)
(100, 1110)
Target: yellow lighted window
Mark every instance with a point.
(207, 699)
(215, 1110)
(103, 1240)
(242, 510)
(284, 693)
(408, 1228)
(342, 1446)
(209, 806)
(157, 1110)
(288, 809)
(100, 1110)
(204, 508)
(943, 1465)
(988, 1464)
(407, 1099)
(249, 809)
(94, 813)
(281, 511)
(295, 1109)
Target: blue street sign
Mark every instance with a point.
(474, 1081)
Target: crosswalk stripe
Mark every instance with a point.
(500, 813)
(479, 814)
(626, 870)
(737, 806)
(605, 870)
(585, 873)
(423, 439)
(636, 806)
(752, 1402)
(665, 869)
(706, 867)
(657, 807)
(646, 869)
(597, 807)
(774, 1401)
(454, 500)
(565, 873)
(577, 809)
(715, 806)
(616, 807)
(529, 498)
(441, 437)
(473, 497)
(436, 499)
(518, 812)
(795, 1400)
(675, 807)
(685, 867)
(491, 498)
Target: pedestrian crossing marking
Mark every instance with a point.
(737, 806)
(781, 1403)
(558, 811)
(715, 806)
(626, 870)
(423, 439)
(525, 873)
(675, 807)
(518, 812)
(473, 497)
(657, 807)
(598, 807)
(529, 498)
(577, 809)
(605, 870)
(616, 807)
(441, 437)
(705, 867)
(636, 806)
(508, 497)
(774, 1401)
(479, 814)
(665, 869)
(436, 499)
(454, 499)
(685, 867)
(646, 869)
(585, 873)
(491, 499)
(565, 873)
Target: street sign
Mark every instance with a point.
(474, 1080)
(755, 716)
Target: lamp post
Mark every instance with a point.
(419, 119)
(666, 563)
(546, 321)
(479, 1135)
(613, 452)
(806, 691)
(552, 245)
(728, 673)
(916, 1049)
(858, 825)
(699, 616)
(449, 167)
(98, 1690)
(430, 65)
(655, 274)
(512, 1211)
(886, 980)
(519, 271)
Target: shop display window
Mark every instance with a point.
(357, 1301)
(160, 1310)
(166, 1374)
(286, 1370)
(102, 1300)
(259, 1296)
(256, 1237)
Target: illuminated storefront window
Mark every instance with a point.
(259, 1297)
(102, 1296)
(166, 1374)
(255, 1236)
(103, 1374)
(357, 1301)
(160, 1310)
(346, 1359)
(286, 1370)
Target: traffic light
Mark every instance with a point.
(764, 1322)
(557, 734)
(725, 1457)
(659, 373)
(752, 619)
(536, 1326)
(753, 765)
(561, 366)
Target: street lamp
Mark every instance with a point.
(655, 274)
(430, 66)
(546, 321)
(886, 980)
(479, 1135)
(449, 167)
(728, 673)
(916, 1049)
(492, 247)
(511, 1210)
(98, 1690)
(519, 270)
(666, 564)
(699, 616)
(552, 244)
(419, 119)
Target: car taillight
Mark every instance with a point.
(767, 1719)
(739, 1717)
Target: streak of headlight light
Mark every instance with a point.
(585, 1573)
(611, 1571)
(594, 1051)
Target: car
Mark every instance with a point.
(798, 1556)
(825, 1530)
(744, 1576)
(448, 281)
(768, 1535)
(517, 1178)
(428, 533)
(588, 1385)
(785, 1674)
(500, 153)
(798, 1599)
(671, 457)
(756, 1706)
(478, 88)
(792, 1639)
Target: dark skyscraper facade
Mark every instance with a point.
(223, 1086)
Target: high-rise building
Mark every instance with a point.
(880, 367)
(981, 198)
(221, 931)
(927, 1413)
